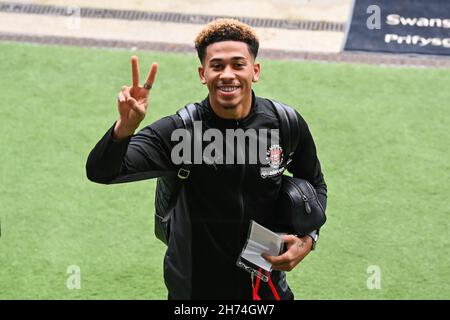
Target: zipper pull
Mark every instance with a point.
(307, 206)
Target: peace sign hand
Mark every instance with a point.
(133, 101)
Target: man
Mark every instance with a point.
(217, 202)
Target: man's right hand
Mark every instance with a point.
(133, 101)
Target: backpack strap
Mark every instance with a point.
(187, 116)
(290, 128)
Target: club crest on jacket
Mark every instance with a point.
(275, 156)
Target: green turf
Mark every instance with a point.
(382, 136)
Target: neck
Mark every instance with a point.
(236, 112)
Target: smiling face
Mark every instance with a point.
(228, 69)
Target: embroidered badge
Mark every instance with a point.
(275, 159)
(275, 156)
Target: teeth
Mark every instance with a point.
(228, 89)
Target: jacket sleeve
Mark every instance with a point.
(144, 155)
(306, 165)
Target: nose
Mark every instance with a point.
(227, 73)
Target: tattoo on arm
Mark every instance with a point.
(302, 244)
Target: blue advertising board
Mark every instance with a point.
(400, 26)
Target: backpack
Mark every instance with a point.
(168, 187)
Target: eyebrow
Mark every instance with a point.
(233, 58)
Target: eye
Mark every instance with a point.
(216, 66)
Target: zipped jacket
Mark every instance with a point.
(209, 227)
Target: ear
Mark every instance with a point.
(256, 72)
(201, 74)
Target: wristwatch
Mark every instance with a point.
(314, 236)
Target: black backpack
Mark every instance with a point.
(168, 187)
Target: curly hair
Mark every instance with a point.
(223, 30)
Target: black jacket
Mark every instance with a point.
(216, 204)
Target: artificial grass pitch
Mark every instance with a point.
(382, 138)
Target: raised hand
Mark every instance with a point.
(133, 101)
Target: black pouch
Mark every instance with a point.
(298, 208)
